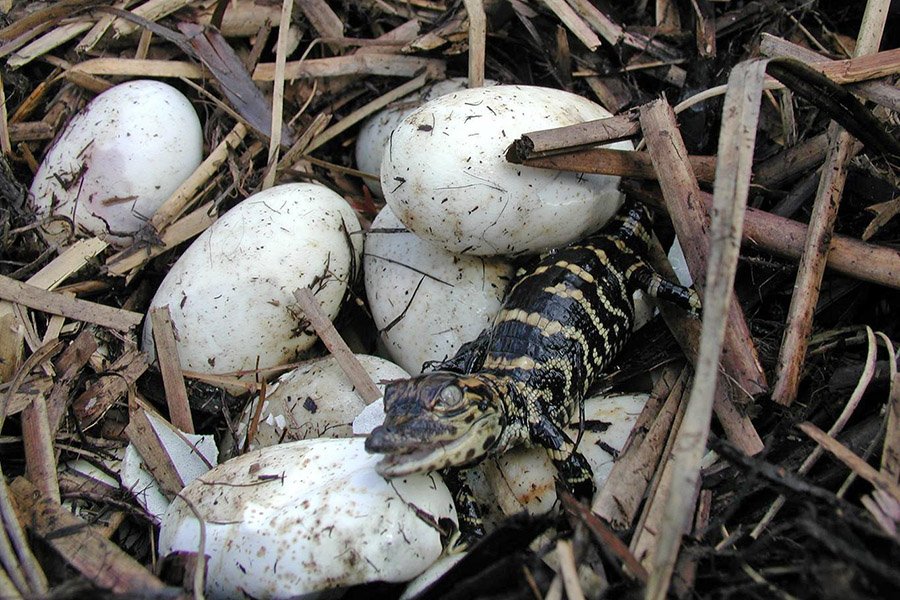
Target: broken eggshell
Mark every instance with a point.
(307, 517)
(376, 131)
(191, 455)
(116, 162)
(524, 478)
(314, 400)
(446, 177)
(230, 294)
(425, 301)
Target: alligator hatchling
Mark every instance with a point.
(525, 378)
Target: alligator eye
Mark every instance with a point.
(450, 397)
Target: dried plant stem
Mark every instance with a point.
(15, 554)
(812, 264)
(881, 481)
(181, 198)
(40, 456)
(836, 428)
(170, 368)
(281, 51)
(95, 557)
(477, 38)
(890, 454)
(348, 362)
(735, 155)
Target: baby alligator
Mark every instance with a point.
(523, 379)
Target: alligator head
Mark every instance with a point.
(437, 420)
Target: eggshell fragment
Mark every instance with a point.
(117, 161)
(307, 517)
(446, 177)
(425, 301)
(376, 131)
(231, 293)
(314, 400)
(192, 455)
(523, 479)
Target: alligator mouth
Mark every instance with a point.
(426, 457)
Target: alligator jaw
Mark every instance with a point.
(425, 458)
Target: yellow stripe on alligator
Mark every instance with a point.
(525, 363)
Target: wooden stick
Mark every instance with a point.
(170, 369)
(99, 560)
(785, 237)
(180, 199)
(348, 362)
(607, 539)
(735, 156)
(622, 163)
(794, 344)
(15, 553)
(573, 137)
(848, 256)
(620, 497)
(881, 92)
(49, 277)
(680, 189)
(477, 38)
(40, 456)
(364, 111)
(281, 52)
(882, 481)
(106, 391)
(355, 64)
(128, 261)
(72, 308)
(574, 23)
(141, 433)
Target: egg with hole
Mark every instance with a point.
(376, 131)
(445, 174)
(308, 517)
(230, 294)
(427, 302)
(314, 400)
(116, 162)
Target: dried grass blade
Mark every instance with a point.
(878, 479)
(735, 158)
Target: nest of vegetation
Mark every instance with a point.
(796, 493)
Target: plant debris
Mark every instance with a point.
(767, 461)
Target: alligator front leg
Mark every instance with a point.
(471, 526)
(573, 469)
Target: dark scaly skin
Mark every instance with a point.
(522, 380)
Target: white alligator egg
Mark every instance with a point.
(314, 400)
(231, 293)
(307, 517)
(524, 478)
(116, 162)
(446, 177)
(427, 302)
(376, 131)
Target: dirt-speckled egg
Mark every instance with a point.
(314, 400)
(307, 517)
(524, 478)
(376, 131)
(231, 293)
(116, 162)
(425, 301)
(445, 175)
